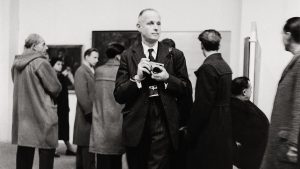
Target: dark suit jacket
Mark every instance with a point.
(209, 127)
(84, 89)
(135, 99)
(250, 129)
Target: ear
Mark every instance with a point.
(138, 26)
(244, 92)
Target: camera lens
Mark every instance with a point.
(156, 70)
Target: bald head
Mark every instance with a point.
(149, 25)
(33, 39)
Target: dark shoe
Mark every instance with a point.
(70, 153)
(56, 155)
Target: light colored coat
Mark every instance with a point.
(35, 122)
(106, 132)
(84, 89)
(285, 119)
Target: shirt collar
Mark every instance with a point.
(155, 48)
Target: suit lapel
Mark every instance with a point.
(138, 53)
(162, 54)
(289, 67)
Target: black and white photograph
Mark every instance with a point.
(136, 84)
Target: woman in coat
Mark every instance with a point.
(65, 78)
(106, 131)
(281, 151)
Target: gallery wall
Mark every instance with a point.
(270, 16)
(72, 21)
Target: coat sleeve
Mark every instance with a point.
(82, 91)
(293, 136)
(48, 78)
(205, 94)
(125, 89)
(178, 83)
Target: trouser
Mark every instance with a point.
(25, 156)
(84, 159)
(153, 151)
(109, 161)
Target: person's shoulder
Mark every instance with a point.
(177, 52)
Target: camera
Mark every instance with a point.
(155, 67)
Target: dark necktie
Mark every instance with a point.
(150, 55)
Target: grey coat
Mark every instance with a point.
(285, 119)
(106, 132)
(84, 89)
(35, 122)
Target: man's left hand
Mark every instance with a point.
(162, 76)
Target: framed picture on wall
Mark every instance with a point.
(71, 55)
(100, 40)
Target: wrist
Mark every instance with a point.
(138, 78)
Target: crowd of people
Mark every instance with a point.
(140, 103)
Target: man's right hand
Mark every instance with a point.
(143, 66)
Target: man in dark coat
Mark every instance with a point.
(250, 126)
(209, 127)
(84, 89)
(184, 105)
(150, 115)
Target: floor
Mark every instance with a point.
(8, 158)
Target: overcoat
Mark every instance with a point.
(209, 129)
(285, 118)
(63, 108)
(106, 131)
(84, 89)
(34, 121)
(136, 100)
(250, 130)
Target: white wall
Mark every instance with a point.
(8, 19)
(72, 21)
(270, 16)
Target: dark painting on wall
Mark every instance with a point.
(100, 40)
(71, 55)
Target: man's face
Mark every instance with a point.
(286, 39)
(41, 46)
(93, 58)
(149, 25)
(248, 92)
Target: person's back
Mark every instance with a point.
(34, 112)
(209, 127)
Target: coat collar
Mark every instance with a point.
(210, 58)
(215, 56)
(88, 69)
(289, 66)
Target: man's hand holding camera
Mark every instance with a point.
(156, 70)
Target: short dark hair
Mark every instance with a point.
(239, 84)
(210, 39)
(114, 49)
(292, 25)
(55, 59)
(168, 42)
(89, 51)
